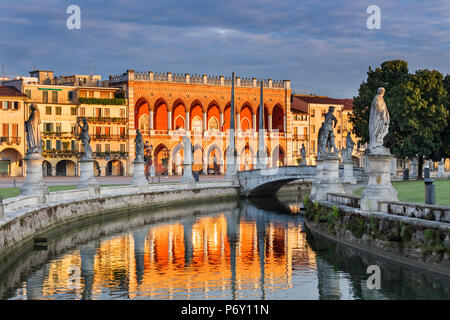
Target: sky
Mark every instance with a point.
(323, 47)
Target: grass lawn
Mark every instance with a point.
(14, 192)
(414, 191)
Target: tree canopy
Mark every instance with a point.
(419, 107)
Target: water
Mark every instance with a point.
(219, 250)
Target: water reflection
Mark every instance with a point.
(231, 250)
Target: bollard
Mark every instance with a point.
(406, 174)
(426, 173)
(430, 192)
(14, 181)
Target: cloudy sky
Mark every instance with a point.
(324, 47)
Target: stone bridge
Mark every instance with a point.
(267, 181)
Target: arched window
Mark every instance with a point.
(213, 124)
(197, 124)
(245, 124)
(144, 123)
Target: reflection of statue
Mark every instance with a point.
(246, 166)
(34, 142)
(303, 153)
(85, 140)
(378, 123)
(348, 150)
(188, 150)
(139, 146)
(326, 134)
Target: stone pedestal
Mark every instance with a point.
(34, 184)
(87, 178)
(316, 181)
(441, 169)
(187, 174)
(139, 178)
(329, 179)
(348, 176)
(261, 160)
(379, 187)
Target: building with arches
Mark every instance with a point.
(166, 106)
(12, 130)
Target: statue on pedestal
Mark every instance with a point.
(348, 150)
(378, 123)
(188, 150)
(326, 134)
(85, 140)
(34, 142)
(139, 146)
(303, 153)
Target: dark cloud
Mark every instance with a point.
(322, 46)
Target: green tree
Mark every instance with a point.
(419, 116)
(390, 74)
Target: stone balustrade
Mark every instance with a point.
(204, 79)
(416, 210)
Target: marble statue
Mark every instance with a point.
(303, 153)
(139, 146)
(188, 150)
(34, 142)
(348, 150)
(85, 140)
(326, 133)
(378, 123)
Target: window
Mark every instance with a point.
(73, 111)
(98, 148)
(399, 163)
(58, 111)
(58, 145)
(54, 96)
(48, 126)
(122, 113)
(107, 147)
(5, 130)
(122, 147)
(73, 128)
(98, 112)
(82, 111)
(122, 131)
(70, 95)
(5, 105)
(15, 105)
(66, 145)
(48, 144)
(106, 113)
(48, 110)
(58, 127)
(73, 145)
(28, 93)
(45, 96)
(15, 130)
(313, 114)
(144, 123)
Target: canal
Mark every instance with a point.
(258, 249)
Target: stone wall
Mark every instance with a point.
(412, 240)
(21, 225)
(416, 210)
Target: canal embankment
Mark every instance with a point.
(26, 218)
(413, 234)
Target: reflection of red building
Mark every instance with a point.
(167, 273)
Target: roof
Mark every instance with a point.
(300, 103)
(8, 91)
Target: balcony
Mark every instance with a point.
(60, 153)
(301, 137)
(109, 155)
(104, 119)
(10, 140)
(58, 134)
(110, 137)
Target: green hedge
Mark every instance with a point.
(102, 101)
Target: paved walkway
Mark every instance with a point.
(8, 182)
